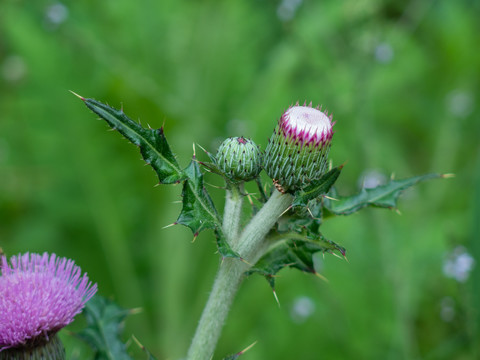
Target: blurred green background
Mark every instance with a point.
(402, 81)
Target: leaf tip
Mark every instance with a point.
(447, 176)
(195, 235)
(80, 97)
(276, 297)
(139, 344)
(244, 261)
(320, 276)
(135, 311)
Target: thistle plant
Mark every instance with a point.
(284, 230)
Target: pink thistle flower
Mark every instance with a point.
(297, 151)
(39, 295)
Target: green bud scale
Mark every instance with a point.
(297, 151)
(42, 348)
(239, 159)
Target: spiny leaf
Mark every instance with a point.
(317, 187)
(384, 196)
(198, 211)
(294, 250)
(104, 326)
(223, 246)
(152, 142)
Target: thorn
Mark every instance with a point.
(310, 212)
(276, 297)
(346, 259)
(245, 261)
(215, 186)
(167, 226)
(321, 277)
(177, 202)
(195, 237)
(193, 150)
(392, 177)
(285, 211)
(139, 344)
(398, 211)
(247, 348)
(135, 311)
(157, 185)
(80, 97)
(330, 198)
(201, 147)
(447, 176)
(336, 255)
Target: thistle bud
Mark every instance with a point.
(297, 151)
(239, 159)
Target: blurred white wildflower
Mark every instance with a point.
(447, 309)
(384, 53)
(459, 264)
(287, 9)
(302, 308)
(56, 14)
(371, 179)
(13, 68)
(460, 103)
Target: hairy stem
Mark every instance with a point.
(232, 213)
(250, 246)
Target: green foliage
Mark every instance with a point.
(300, 231)
(152, 142)
(384, 196)
(198, 212)
(295, 250)
(104, 327)
(317, 188)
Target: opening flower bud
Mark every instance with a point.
(297, 151)
(239, 159)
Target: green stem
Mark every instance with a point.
(250, 246)
(232, 213)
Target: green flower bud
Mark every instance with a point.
(297, 151)
(239, 159)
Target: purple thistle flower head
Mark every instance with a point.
(39, 295)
